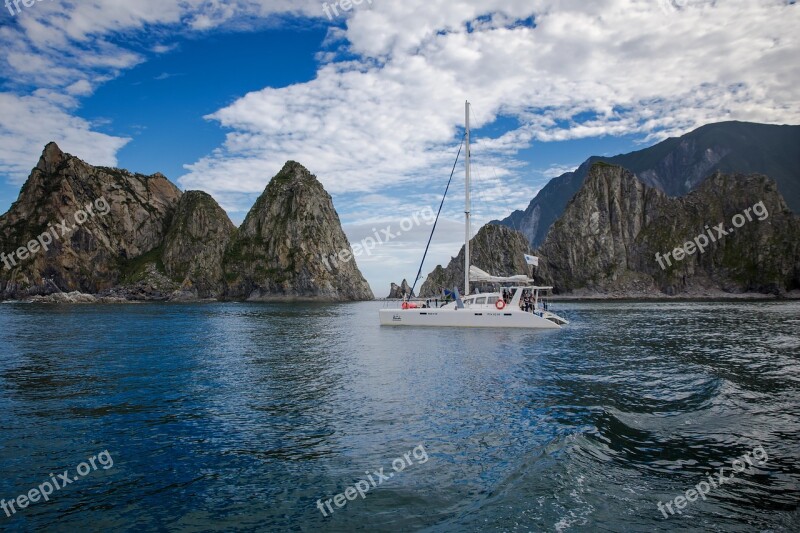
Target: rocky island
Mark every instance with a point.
(398, 292)
(150, 241)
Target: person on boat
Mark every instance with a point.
(528, 303)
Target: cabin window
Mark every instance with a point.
(481, 300)
(491, 300)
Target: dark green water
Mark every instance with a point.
(234, 417)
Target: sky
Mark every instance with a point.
(218, 95)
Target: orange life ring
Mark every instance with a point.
(405, 305)
(500, 304)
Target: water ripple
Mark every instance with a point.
(240, 417)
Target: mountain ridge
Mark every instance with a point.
(678, 165)
(615, 232)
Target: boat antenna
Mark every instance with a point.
(419, 272)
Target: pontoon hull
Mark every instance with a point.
(464, 318)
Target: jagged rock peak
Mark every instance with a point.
(291, 245)
(51, 158)
(195, 245)
(399, 291)
(293, 172)
(111, 218)
(294, 167)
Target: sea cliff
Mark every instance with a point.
(619, 236)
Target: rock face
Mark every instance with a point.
(195, 245)
(678, 166)
(126, 215)
(609, 235)
(133, 237)
(290, 246)
(497, 250)
(399, 291)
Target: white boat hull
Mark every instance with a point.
(464, 318)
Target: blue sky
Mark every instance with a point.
(218, 94)
(161, 103)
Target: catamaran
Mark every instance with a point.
(520, 304)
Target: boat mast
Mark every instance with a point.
(467, 209)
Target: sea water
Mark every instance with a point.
(259, 417)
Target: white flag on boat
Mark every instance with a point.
(532, 260)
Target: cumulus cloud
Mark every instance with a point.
(27, 123)
(561, 70)
(57, 52)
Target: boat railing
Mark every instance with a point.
(415, 303)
